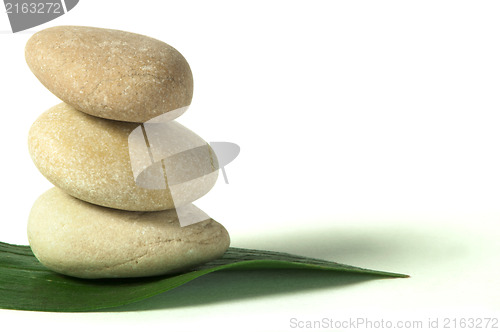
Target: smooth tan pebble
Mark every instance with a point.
(153, 167)
(83, 240)
(111, 74)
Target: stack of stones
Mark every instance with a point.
(125, 173)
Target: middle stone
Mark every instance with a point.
(128, 166)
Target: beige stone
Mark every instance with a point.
(83, 240)
(122, 165)
(110, 73)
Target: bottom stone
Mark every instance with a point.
(83, 240)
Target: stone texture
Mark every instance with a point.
(110, 73)
(113, 164)
(83, 240)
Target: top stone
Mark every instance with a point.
(111, 74)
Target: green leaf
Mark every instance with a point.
(25, 284)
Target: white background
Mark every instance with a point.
(369, 134)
